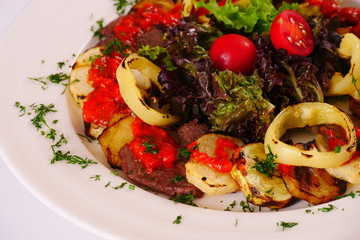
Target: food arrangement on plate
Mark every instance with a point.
(203, 97)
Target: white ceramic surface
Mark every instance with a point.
(48, 32)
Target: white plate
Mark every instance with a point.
(48, 32)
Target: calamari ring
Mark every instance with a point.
(350, 83)
(303, 115)
(135, 74)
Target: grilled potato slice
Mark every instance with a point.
(205, 178)
(314, 185)
(259, 188)
(79, 86)
(349, 172)
(115, 136)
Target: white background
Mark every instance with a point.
(22, 216)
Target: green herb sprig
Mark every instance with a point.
(267, 166)
(285, 225)
(121, 5)
(177, 220)
(40, 122)
(185, 199)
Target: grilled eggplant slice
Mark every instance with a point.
(261, 189)
(115, 136)
(205, 178)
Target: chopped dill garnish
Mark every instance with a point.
(231, 206)
(185, 199)
(97, 31)
(122, 185)
(95, 177)
(71, 159)
(286, 224)
(89, 139)
(177, 220)
(116, 46)
(246, 205)
(266, 166)
(121, 5)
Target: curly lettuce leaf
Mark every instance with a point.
(244, 105)
(256, 16)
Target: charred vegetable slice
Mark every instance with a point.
(313, 185)
(135, 76)
(79, 85)
(310, 114)
(349, 172)
(350, 83)
(115, 136)
(261, 189)
(204, 177)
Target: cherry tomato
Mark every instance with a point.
(233, 52)
(291, 32)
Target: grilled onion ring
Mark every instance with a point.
(303, 115)
(133, 88)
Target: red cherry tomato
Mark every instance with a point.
(291, 32)
(233, 52)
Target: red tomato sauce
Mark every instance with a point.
(105, 100)
(131, 26)
(221, 162)
(334, 139)
(152, 146)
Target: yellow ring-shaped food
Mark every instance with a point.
(350, 83)
(303, 115)
(131, 93)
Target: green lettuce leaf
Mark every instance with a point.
(244, 102)
(256, 16)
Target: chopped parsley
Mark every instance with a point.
(95, 177)
(246, 205)
(22, 109)
(183, 153)
(350, 194)
(89, 139)
(177, 179)
(56, 78)
(286, 224)
(97, 31)
(266, 166)
(185, 199)
(337, 149)
(115, 172)
(61, 64)
(231, 206)
(329, 208)
(149, 147)
(122, 185)
(39, 121)
(116, 46)
(121, 5)
(177, 220)
(71, 159)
